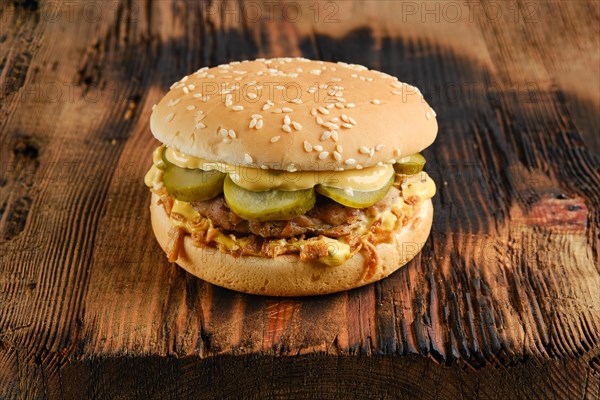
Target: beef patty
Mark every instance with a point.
(326, 218)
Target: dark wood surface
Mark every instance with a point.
(503, 302)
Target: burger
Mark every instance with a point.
(291, 177)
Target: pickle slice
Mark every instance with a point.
(268, 205)
(191, 184)
(358, 199)
(410, 165)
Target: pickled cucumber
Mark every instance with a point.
(355, 199)
(191, 184)
(410, 165)
(268, 205)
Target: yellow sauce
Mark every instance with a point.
(419, 185)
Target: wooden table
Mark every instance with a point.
(503, 302)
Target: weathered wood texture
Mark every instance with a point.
(503, 302)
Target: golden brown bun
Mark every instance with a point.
(288, 275)
(384, 119)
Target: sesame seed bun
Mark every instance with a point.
(287, 275)
(292, 121)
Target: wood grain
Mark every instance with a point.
(503, 301)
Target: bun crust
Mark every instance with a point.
(288, 275)
(362, 117)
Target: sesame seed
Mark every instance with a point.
(266, 107)
(396, 92)
(287, 120)
(296, 101)
(197, 95)
(256, 116)
(153, 107)
(376, 101)
(275, 138)
(190, 107)
(286, 128)
(312, 90)
(323, 155)
(428, 115)
(371, 152)
(330, 105)
(337, 156)
(336, 120)
(323, 110)
(191, 86)
(200, 125)
(185, 78)
(286, 110)
(348, 126)
(277, 111)
(397, 84)
(320, 121)
(252, 95)
(291, 168)
(252, 123)
(227, 140)
(307, 147)
(259, 124)
(339, 105)
(237, 108)
(433, 111)
(248, 158)
(352, 120)
(364, 150)
(223, 132)
(169, 117)
(297, 126)
(350, 161)
(173, 102)
(186, 90)
(326, 135)
(228, 103)
(379, 147)
(345, 118)
(339, 148)
(232, 134)
(358, 166)
(334, 136)
(318, 147)
(313, 112)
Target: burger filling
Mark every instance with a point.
(327, 217)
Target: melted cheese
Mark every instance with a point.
(257, 179)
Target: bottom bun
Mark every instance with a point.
(287, 275)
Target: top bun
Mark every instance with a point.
(294, 114)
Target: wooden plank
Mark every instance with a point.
(505, 294)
